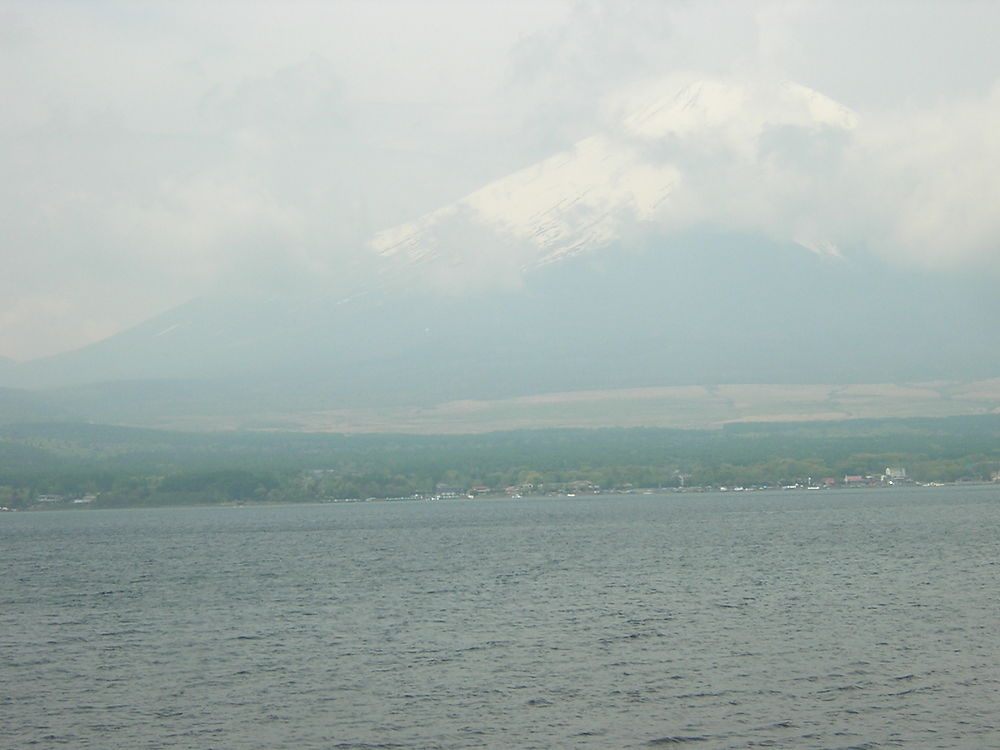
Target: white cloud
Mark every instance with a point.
(155, 150)
(161, 150)
(928, 181)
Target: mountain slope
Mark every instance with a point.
(708, 310)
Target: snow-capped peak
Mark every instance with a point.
(587, 197)
(682, 109)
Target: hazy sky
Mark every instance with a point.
(154, 151)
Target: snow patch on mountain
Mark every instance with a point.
(717, 135)
(572, 202)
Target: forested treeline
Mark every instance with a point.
(115, 466)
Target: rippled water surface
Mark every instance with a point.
(833, 619)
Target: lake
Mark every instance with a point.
(825, 619)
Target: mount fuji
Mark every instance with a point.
(662, 250)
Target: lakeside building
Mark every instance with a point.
(894, 475)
